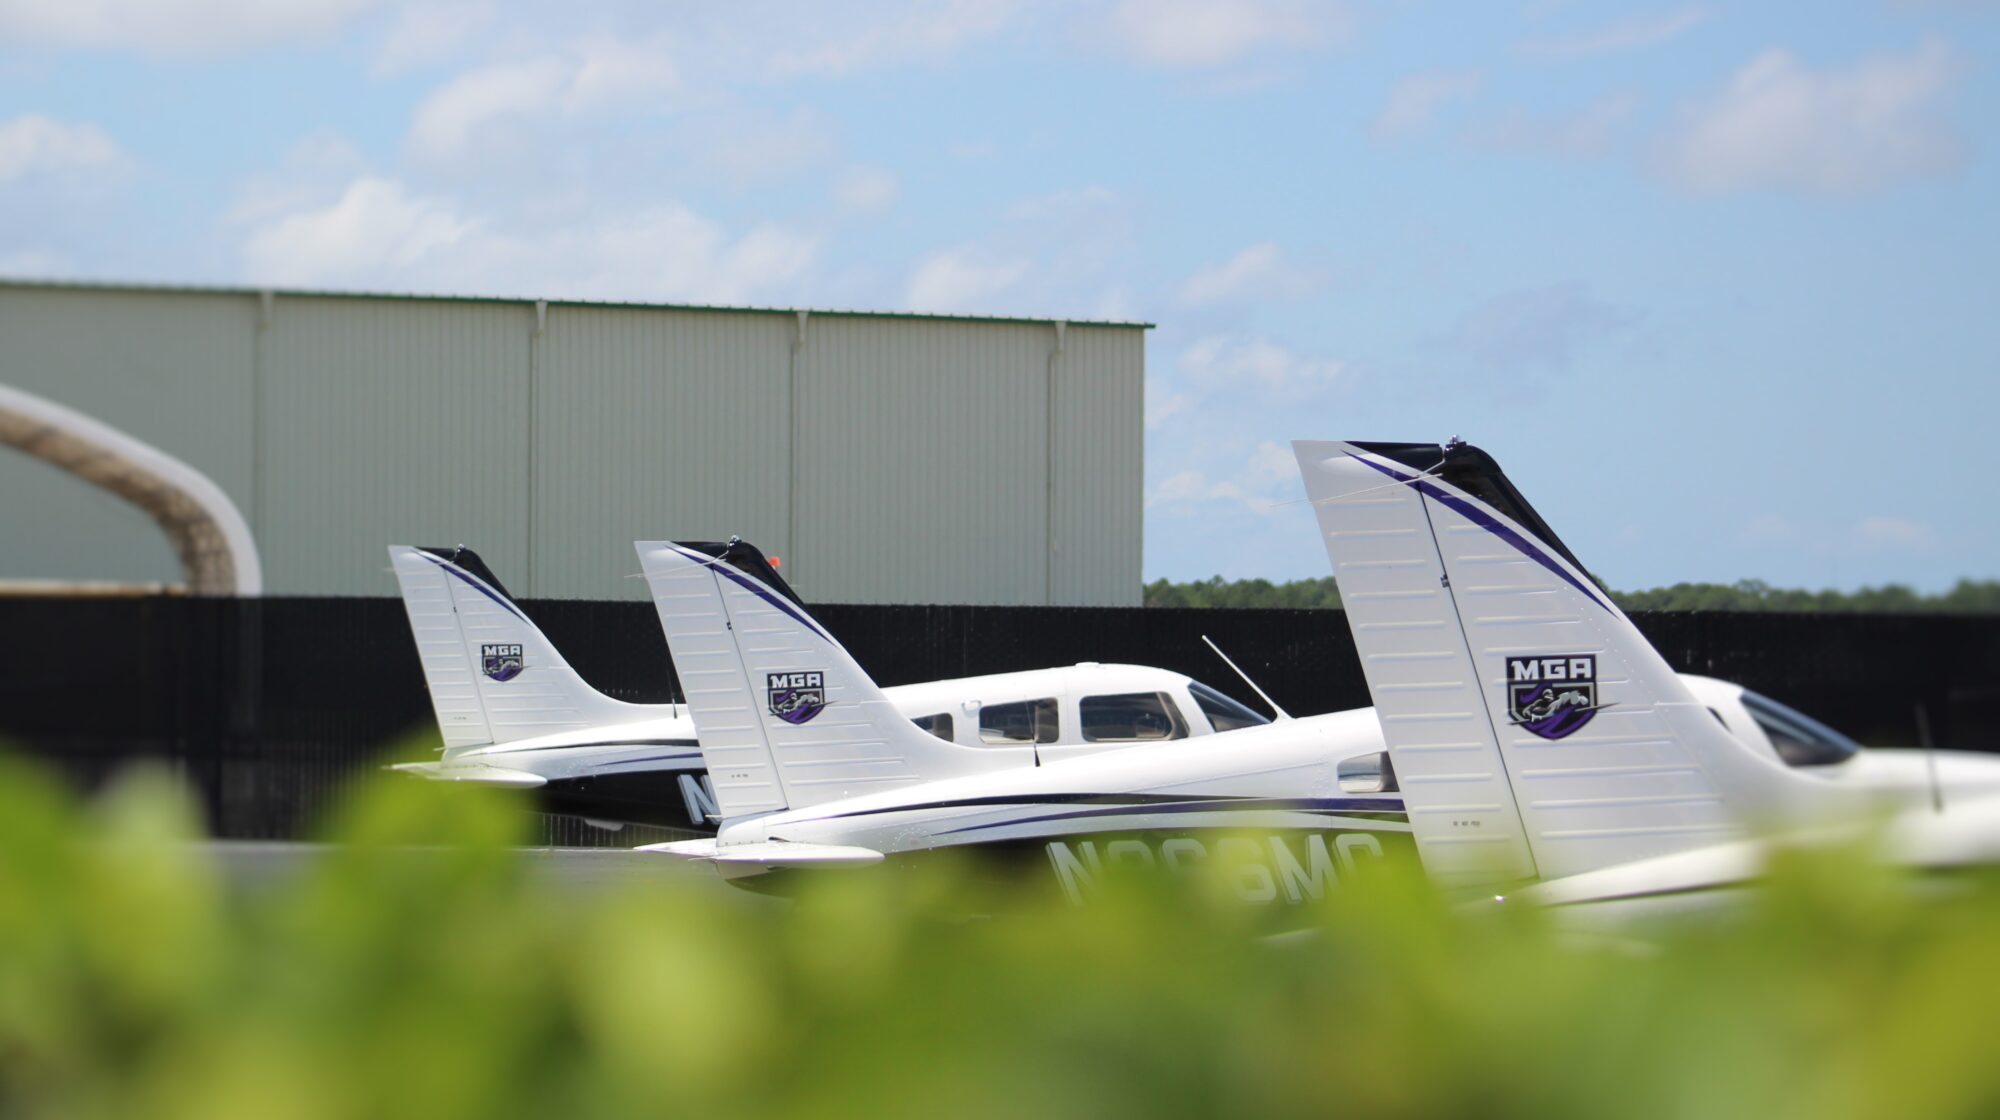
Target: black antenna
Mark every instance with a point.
(1930, 756)
(1281, 713)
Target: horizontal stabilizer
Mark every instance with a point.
(736, 861)
(472, 774)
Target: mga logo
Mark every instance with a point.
(501, 662)
(1552, 696)
(796, 697)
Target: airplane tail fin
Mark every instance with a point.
(492, 675)
(1535, 732)
(786, 718)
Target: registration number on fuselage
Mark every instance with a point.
(1288, 867)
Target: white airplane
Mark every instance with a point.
(1293, 806)
(513, 713)
(1541, 740)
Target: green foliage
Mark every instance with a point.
(1967, 597)
(419, 968)
(1299, 594)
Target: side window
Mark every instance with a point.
(1799, 739)
(1025, 721)
(1132, 717)
(1224, 714)
(938, 725)
(1367, 773)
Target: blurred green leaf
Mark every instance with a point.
(422, 965)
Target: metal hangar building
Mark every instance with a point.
(887, 458)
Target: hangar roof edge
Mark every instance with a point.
(8, 282)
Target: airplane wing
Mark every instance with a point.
(473, 774)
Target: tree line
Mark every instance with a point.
(1968, 596)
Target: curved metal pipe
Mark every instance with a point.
(217, 553)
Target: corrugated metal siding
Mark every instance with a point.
(391, 422)
(923, 466)
(921, 462)
(172, 370)
(655, 425)
(1096, 554)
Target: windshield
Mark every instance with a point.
(1224, 714)
(1798, 738)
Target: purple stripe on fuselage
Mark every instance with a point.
(1486, 521)
(1233, 805)
(653, 758)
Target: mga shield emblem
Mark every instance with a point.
(1552, 697)
(500, 662)
(796, 697)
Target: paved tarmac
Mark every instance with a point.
(255, 864)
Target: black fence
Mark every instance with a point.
(269, 706)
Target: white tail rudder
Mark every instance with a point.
(786, 718)
(1535, 731)
(492, 675)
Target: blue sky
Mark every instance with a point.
(1716, 284)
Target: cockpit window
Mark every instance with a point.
(938, 725)
(1026, 721)
(1132, 717)
(1224, 714)
(1799, 739)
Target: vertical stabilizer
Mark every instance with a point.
(786, 718)
(1535, 731)
(492, 675)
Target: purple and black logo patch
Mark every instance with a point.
(796, 697)
(501, 662)
(1552, 696)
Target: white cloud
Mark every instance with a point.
(426, 34)
(1584, 135)
(451, 121)
(747, 146)
(916, 31)
(1631, 34)
(1769, 529)
(1416, 100)
(959, 279)
(1780, 124)
(1236, 363)
(374, 230)
(380, 234)
(1163, 403)
(38, 264)
(1259, 272)
(867, 188)
(1049, 255)
(1271, 463)
(1895, 534)
(1180, 488)
(1115, 303)
(1064, 206)
(1202, 33)
(598, 73)
(183, 27)
(314, 170)
(1254, 484)
(36, 145)
(1536, 328)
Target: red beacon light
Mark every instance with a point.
(776, 562)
